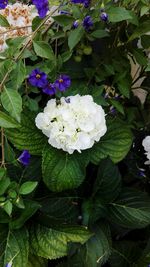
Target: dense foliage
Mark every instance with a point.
(86, 208)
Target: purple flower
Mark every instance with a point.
(9, 264)
(24, 158)
(3, 4)
(86, 3)
(62, 83)
(49, 89)
(42, 7)
(104, 16)
(38, 78)
(87, 23)
(75, 24)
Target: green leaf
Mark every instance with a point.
(4, 22)
(2, 173)
(8, 122)
(30, 208)
(108, 182)
(98, 248)
(8, 207)
(140, 57)
(64, 20)
(18, 75)
(66, 55)
(62, 171)
(124, 254)
(144, 260)
(35, 261)
(117, 14)
(75, 37)
(12, 102)
(14, 247)
(44, 50)
(117, 105)
(64, 208)
(4, 183)
(143, 28)
(51, 243)
(131, 210)
(100, 34)
(27, 187)
(115, 143)
(27, 136)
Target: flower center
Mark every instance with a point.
(61, 80)
(38, 76)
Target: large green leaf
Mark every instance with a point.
(124, 254)
(44, 50)
(51, 243)
(115, 143)
(131, 210)
(75, 36)
(62, 171)
(64, 20)
(18, 74)
(8, 122)
(4, 22)
(12, 102)
(117, 14)
(96, 250)
(144, 260)
(14, 247)
(27, 136)
(64, 208)
(143, 28)
(108, 183)
(24, 214)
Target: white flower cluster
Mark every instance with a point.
(20, 18)
(72, 123)
(146, 145)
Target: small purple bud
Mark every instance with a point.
(9, 264)
(64, 12)
(75, 24)
(24, 158)
(104, 16)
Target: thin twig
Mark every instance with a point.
(2, 148)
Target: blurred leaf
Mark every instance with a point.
(131, 209)
(14, 246)
(52, 243)
(115, 143)
(64, 20)
(29, 210)
(117, 14)
(44, 50)
(27, 136)
(62, 171)
(35, 261)
(108, 182)
(4, 22)
(12, 102)
(8, 122)
(75, 37)
(27, 187)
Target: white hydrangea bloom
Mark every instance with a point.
(20, 18)
(72, 123)
(146, 145)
